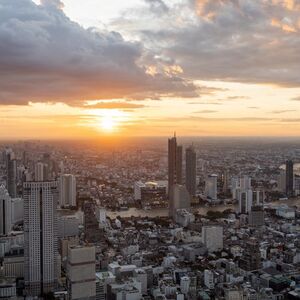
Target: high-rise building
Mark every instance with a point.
(225, 181)
(81, 272)
(258, 197)
(5, 212)
(289, 169)
(181, 199)
(211, 187)
(245, 183)
(40, 237)
(67, 190)
(212, 237)
(11, 174)
(92, 231)
(41, 172)
(174, 167)
(190, 170)
(179, 164)
(245, 198)
(282, 181)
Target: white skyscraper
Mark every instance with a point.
(40, 233)
(5, 212)
(212, 237)
(67, 190)
(211, 187)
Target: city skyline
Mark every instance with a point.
(88, 69)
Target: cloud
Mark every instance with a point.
(296, 99)
(157, 6)
(249, 41)
(205, 111)
(114, 105)
(282, 111)
(44, 56)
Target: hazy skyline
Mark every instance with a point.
(87, 68)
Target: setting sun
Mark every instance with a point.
(108, 123)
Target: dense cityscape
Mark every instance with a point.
(183, 218)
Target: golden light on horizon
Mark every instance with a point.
(108, 120)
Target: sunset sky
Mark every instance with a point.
(87, 68)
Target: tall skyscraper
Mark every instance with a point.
(179, 165)
(5, 212)
(11, 174)
(289, 178)
(174, 168)
(67, 190)
(40, 234)
(190, 170)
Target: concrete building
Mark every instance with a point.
(185, 283)
(245, 183)
(8, 289)
(174, 168)
(251, 259)
(11, 174)
(180, 198)
(40, 233)
(282, 181)
(285, 212)
(141, 276)
(81, 270)
(209, 279)
(67, 190)
(102, 280)
(289, 169)
(190, 170)
(245, 198)
(212, 237)
(68, 226)
(41, 172)
(5, 212)
(150, 191)
(258, 198)
(256, 216)
(211, 187)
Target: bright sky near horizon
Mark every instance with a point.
(84, 68)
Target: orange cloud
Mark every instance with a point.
(283, 26)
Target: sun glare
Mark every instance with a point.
(108, 123)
